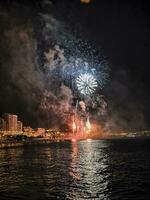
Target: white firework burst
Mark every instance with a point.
(86, 83)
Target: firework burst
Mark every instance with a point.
(86, 83)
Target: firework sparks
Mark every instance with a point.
(74, 126)
(86, 83)
(88, 124)
(78, 65)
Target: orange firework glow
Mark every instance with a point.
(73, 126)
(88, 124)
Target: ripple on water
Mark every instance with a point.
(95, 169)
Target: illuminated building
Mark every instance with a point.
(27, 129)
(19, 126)
(40, 132)
(2, 124)
(11, 122)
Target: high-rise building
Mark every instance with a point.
(19, 126)
(11, 122)
(2, 124)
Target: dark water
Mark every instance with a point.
(97, 169)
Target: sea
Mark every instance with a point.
(112, 169)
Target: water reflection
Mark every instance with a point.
(114, 169)
(35, 172)
(76, 170)
(9, 169)
(89, 170)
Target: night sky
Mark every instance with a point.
(119, 29)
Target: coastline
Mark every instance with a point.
(12, 144)
(33, 142)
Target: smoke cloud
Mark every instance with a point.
(39, 98)
(82, 105)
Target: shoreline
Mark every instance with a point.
(34, 142)
(12, 144)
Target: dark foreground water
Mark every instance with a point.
(97, 169)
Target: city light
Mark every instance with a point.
(85, 1)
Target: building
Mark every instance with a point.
(19, 126)
(27, 129)
(10, 122)
(40, 132)
(2, 124)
